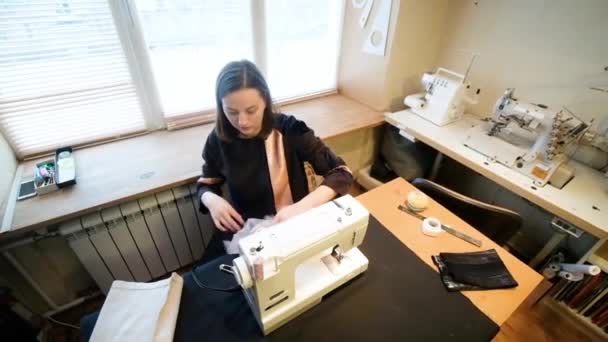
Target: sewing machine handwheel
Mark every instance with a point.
(241, 273)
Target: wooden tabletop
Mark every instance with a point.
(382, 203)
(583, 201)
(115, 172)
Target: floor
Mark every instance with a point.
(542, 323)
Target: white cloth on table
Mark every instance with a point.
(140, 311)
(251, 226)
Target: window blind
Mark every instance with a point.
(64, 78)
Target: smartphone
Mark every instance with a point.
(26, 190)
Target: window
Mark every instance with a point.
(64, 79)
(188, 43)
(302, 43)
(80, 71)
(294, 42)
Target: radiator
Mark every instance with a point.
(140, 240)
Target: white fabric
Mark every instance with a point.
(140, 311)
(251, 226)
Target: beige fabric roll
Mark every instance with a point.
(140, 311)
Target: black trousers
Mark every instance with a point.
(215, 248)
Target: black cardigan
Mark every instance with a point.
(243, 166)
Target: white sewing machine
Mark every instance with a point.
(445, 98)
(286, 269)
(529, 138)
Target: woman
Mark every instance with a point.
(260, 156)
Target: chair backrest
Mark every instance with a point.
(497, 223)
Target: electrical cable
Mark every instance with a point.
(208, 287)
(49, 318)
(215, 264)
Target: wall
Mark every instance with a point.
(8, 275)
(50, 261)
(551, 51)
(8, 165)
(382, 82)
(360, 76)
(51, 264)
(358, 148)
(416, 45)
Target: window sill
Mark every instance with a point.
(124, 170)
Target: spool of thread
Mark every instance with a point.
(417, 201)
(551, 270)
(415, 101)
(548, 273)
(431, 226)
(578, 268)
(258, 268)
(570, 276)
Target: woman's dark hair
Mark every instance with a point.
(239, 75)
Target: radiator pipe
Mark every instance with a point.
(29, 279)
(28, 240)
(71, 304)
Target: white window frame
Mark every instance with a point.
(131, 33)
(134, 46)
(131, 36)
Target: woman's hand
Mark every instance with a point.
(314, 199)
(290, 211)
(223, 214)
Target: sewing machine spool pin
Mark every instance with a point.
(259, 248)
(348, 211)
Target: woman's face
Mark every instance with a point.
(244, 109)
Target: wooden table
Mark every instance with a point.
(382, 203)
(116, 172)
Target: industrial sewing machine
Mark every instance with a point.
(529, 138)
(446, 95)
(288, 268)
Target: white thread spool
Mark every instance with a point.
(431, 226)
(417, 201)
(554, 267)
(549, 273)
(258, 268)
(585, 269)
(571, 276)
